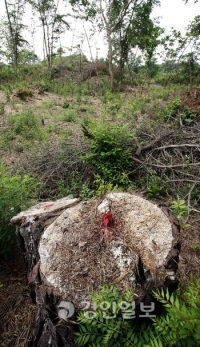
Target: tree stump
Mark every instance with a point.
(72, 247)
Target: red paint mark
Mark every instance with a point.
(47, 206)
(108, 220)
(107, 226)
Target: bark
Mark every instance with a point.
(70, 249)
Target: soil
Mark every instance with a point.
(189, 259)
(17, 311)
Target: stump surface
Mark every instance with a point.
(78, 253)
(72, 247)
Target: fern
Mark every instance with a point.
(179, 326)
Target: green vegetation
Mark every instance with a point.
(179, 114)
(108, 153)
(180, 208)
(113, 321)
(17, 193)
(70, 126)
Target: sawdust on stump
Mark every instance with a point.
(72, 247)
(83, 249)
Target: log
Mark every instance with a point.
(72, 247)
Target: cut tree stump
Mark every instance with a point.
(72, 247)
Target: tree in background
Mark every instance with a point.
(53, 25)
(27, 57)
(15, 11)
(140, 32)
(124, 22)
(181, 53)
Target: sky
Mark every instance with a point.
(172, 13)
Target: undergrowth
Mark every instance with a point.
(178, 113)
(112, 322)
(109, 154)
(17, 192)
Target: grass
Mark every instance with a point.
(59, 116)
(69, 116)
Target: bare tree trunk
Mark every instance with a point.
(110, 58)
(44, 40)
(88, 41)
(110, 30)
(110, 49)
(13, 39)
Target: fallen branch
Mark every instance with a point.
(178, 145)
(164, 166)
(152, 143)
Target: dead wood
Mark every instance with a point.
(80, 250)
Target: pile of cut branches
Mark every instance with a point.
(172, 153)
(169, 155)
(59, 168)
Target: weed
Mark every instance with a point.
(48, 104)
(69, 116)
(19, 148)
(63, 190)
(155, 187)
(70, 67)
(195, 195)
(103, 187)
(65, 105)
(6, 140)
(83, 109)
(180, 208)
(86, 120)
(27, 125)
(113, 109)
(65, 134)
(46, 85)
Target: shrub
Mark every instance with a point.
(179, 327)
(109, 153)
(16, 194)
(63, 159)
(24, 92)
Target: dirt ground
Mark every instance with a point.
(189, 260)
(17, 312)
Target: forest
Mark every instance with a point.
(83, 126)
